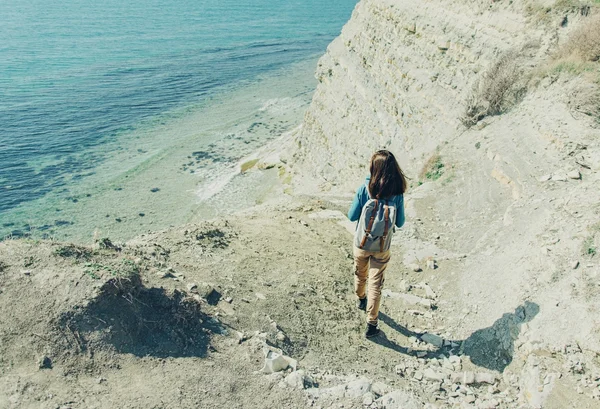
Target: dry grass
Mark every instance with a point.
(498, 89)
(584, 42)
(580, 57)
(585, 99)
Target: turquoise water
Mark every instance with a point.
(80, 80)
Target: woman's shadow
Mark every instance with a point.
(490, 347)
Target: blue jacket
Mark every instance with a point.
(361, 198)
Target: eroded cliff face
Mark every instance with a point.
(508, 206)
(398, 76)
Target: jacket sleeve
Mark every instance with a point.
(357, 205)
(400, 219)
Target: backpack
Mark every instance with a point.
(376, 225)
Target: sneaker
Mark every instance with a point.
(372, 331)
(362, 304)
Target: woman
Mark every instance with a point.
(378, 206)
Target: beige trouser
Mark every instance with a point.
(371, 265)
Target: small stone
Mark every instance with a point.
(228, 300)
(443, 45)
(544, 178)
(432, 339)
(275, 362)
(357, 388)
(380, 388)
(192, 287)
(559, 177)
(432, 375)
(431, 264)
(45, 362)
(574, 174)
(468, 378)
(101, 380)
(414, 267)
(404, 286)
(485, 377)
(575, 264)
(260, 296)
(469, 399)
(297, 380)
(281, 336)
(418, 375)
(368, 399)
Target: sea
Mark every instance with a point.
(123, 117)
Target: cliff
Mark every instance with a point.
(491, 295)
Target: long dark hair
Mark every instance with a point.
(387, 179)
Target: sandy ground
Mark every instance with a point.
(179, 319)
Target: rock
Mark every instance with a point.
(574, 174)
(407, 298)
(411, 27)
(397, 400)
(368, 399)
(575, 264)
(469, 399)
(429, 293)
(275, 362)
(443, 45)
(485, 377)
(544, 178)
(45, 362)
(432, 375)
(468, 378)
(192, 287)
(240, 336)
(298, 380)
(357, 388)
(559, 177)
(165, 274)
(418, 375)
(209, 293)
(404, 286)
(380, 388)
(260, 296)
(432, 339)
(414, 267)
(431, 264)
(229, 300)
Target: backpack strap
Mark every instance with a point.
(370, 225)
(387, 225)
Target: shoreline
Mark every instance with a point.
(178, 171)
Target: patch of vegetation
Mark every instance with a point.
(433, 168)
(29, 261)
(499, 88)
(73, 251)
(584, 42)
(580, 57)
(246, 166)
(546, 14)
(589, 248)
(215, 237)
(106, 244)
